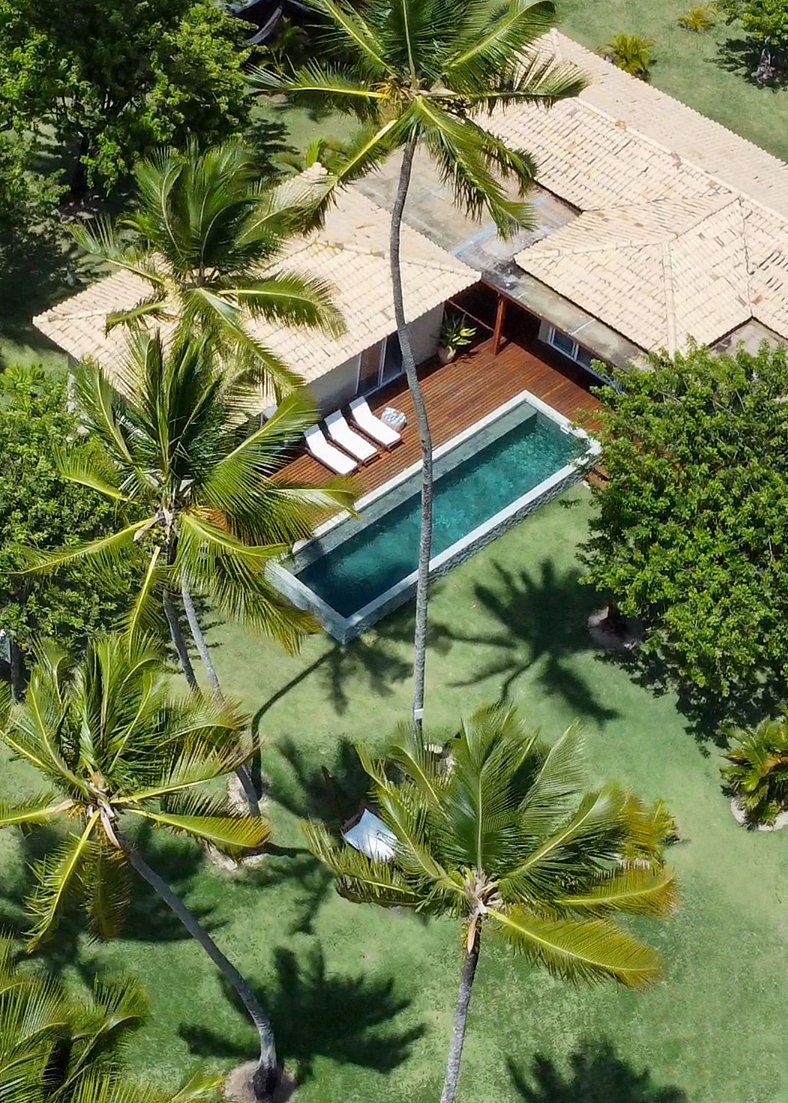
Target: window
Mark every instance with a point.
(568, 347)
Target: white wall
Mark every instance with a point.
(337, 387)
(424, 334)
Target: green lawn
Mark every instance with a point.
(709, 71)
(362, 998)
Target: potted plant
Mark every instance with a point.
(757, 774)
(455, 334)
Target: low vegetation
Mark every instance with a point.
(631, 52)
(697, 19)
(757, 773)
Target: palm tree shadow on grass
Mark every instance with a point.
(371, 658)
(147, 918)
(539, 620)
(347, 1019)
(596, 1075)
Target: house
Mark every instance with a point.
(654, 225)
(350, 252)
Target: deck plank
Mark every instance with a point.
(457, 395)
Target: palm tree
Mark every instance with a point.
(173, 449)
(207, 239)
(55, 1048)
(503, 836)
(116, 747)
(421, 72)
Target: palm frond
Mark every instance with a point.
(635, 891)
(464, 160)
(40, 809)
(230, 834)
(360, 878)
(106, 885)
(315, 84)
(59, 881)
(579, 951)
(105, 551)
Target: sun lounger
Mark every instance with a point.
(327, 454)
(341, 433)
(372, 425)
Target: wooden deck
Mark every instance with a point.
(457, 395)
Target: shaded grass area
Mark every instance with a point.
(362, 999)
(710, 71)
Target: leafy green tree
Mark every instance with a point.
(691, 529)
(207, 239)
(173, 447)
(424, 73)
(114, 78)
(757, 772)
(55, 1048)
(763, 20)
(28, 200)
(38, 508)
(115, 747)
(503, 835)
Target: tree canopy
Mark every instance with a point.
(114, 78)
(692, 527)
(39, 508)
(763, 20)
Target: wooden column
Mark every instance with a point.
(500, 314)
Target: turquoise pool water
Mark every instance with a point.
(378, 555)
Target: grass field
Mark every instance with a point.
(708, 71)
(362, 999)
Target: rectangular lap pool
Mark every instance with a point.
(486, 479)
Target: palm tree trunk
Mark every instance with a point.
(267, 1074)
(425, 437)
(243, 773)
(17, 669)
(176, 635)
(199, 639)
(460, 1020)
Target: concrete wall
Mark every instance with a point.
(337, 387)
(424, 334)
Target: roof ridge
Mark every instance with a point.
(670, 299)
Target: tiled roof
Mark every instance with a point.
(350, 252)
(684, 230)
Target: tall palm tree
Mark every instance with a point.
(55, 1048)
(116, 747)
(421, 73)
(207, 239)
(174, 449)
(504, 836)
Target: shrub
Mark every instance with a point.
(632, 53)
(697, 19)
(758, 772)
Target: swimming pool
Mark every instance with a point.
(486, 479)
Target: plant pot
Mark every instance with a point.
(446, 355)
(741, 817)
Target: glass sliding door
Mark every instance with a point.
(392, 360)
(369, 369)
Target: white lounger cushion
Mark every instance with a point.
(340, 431)
(327, 454)
(372, 425)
